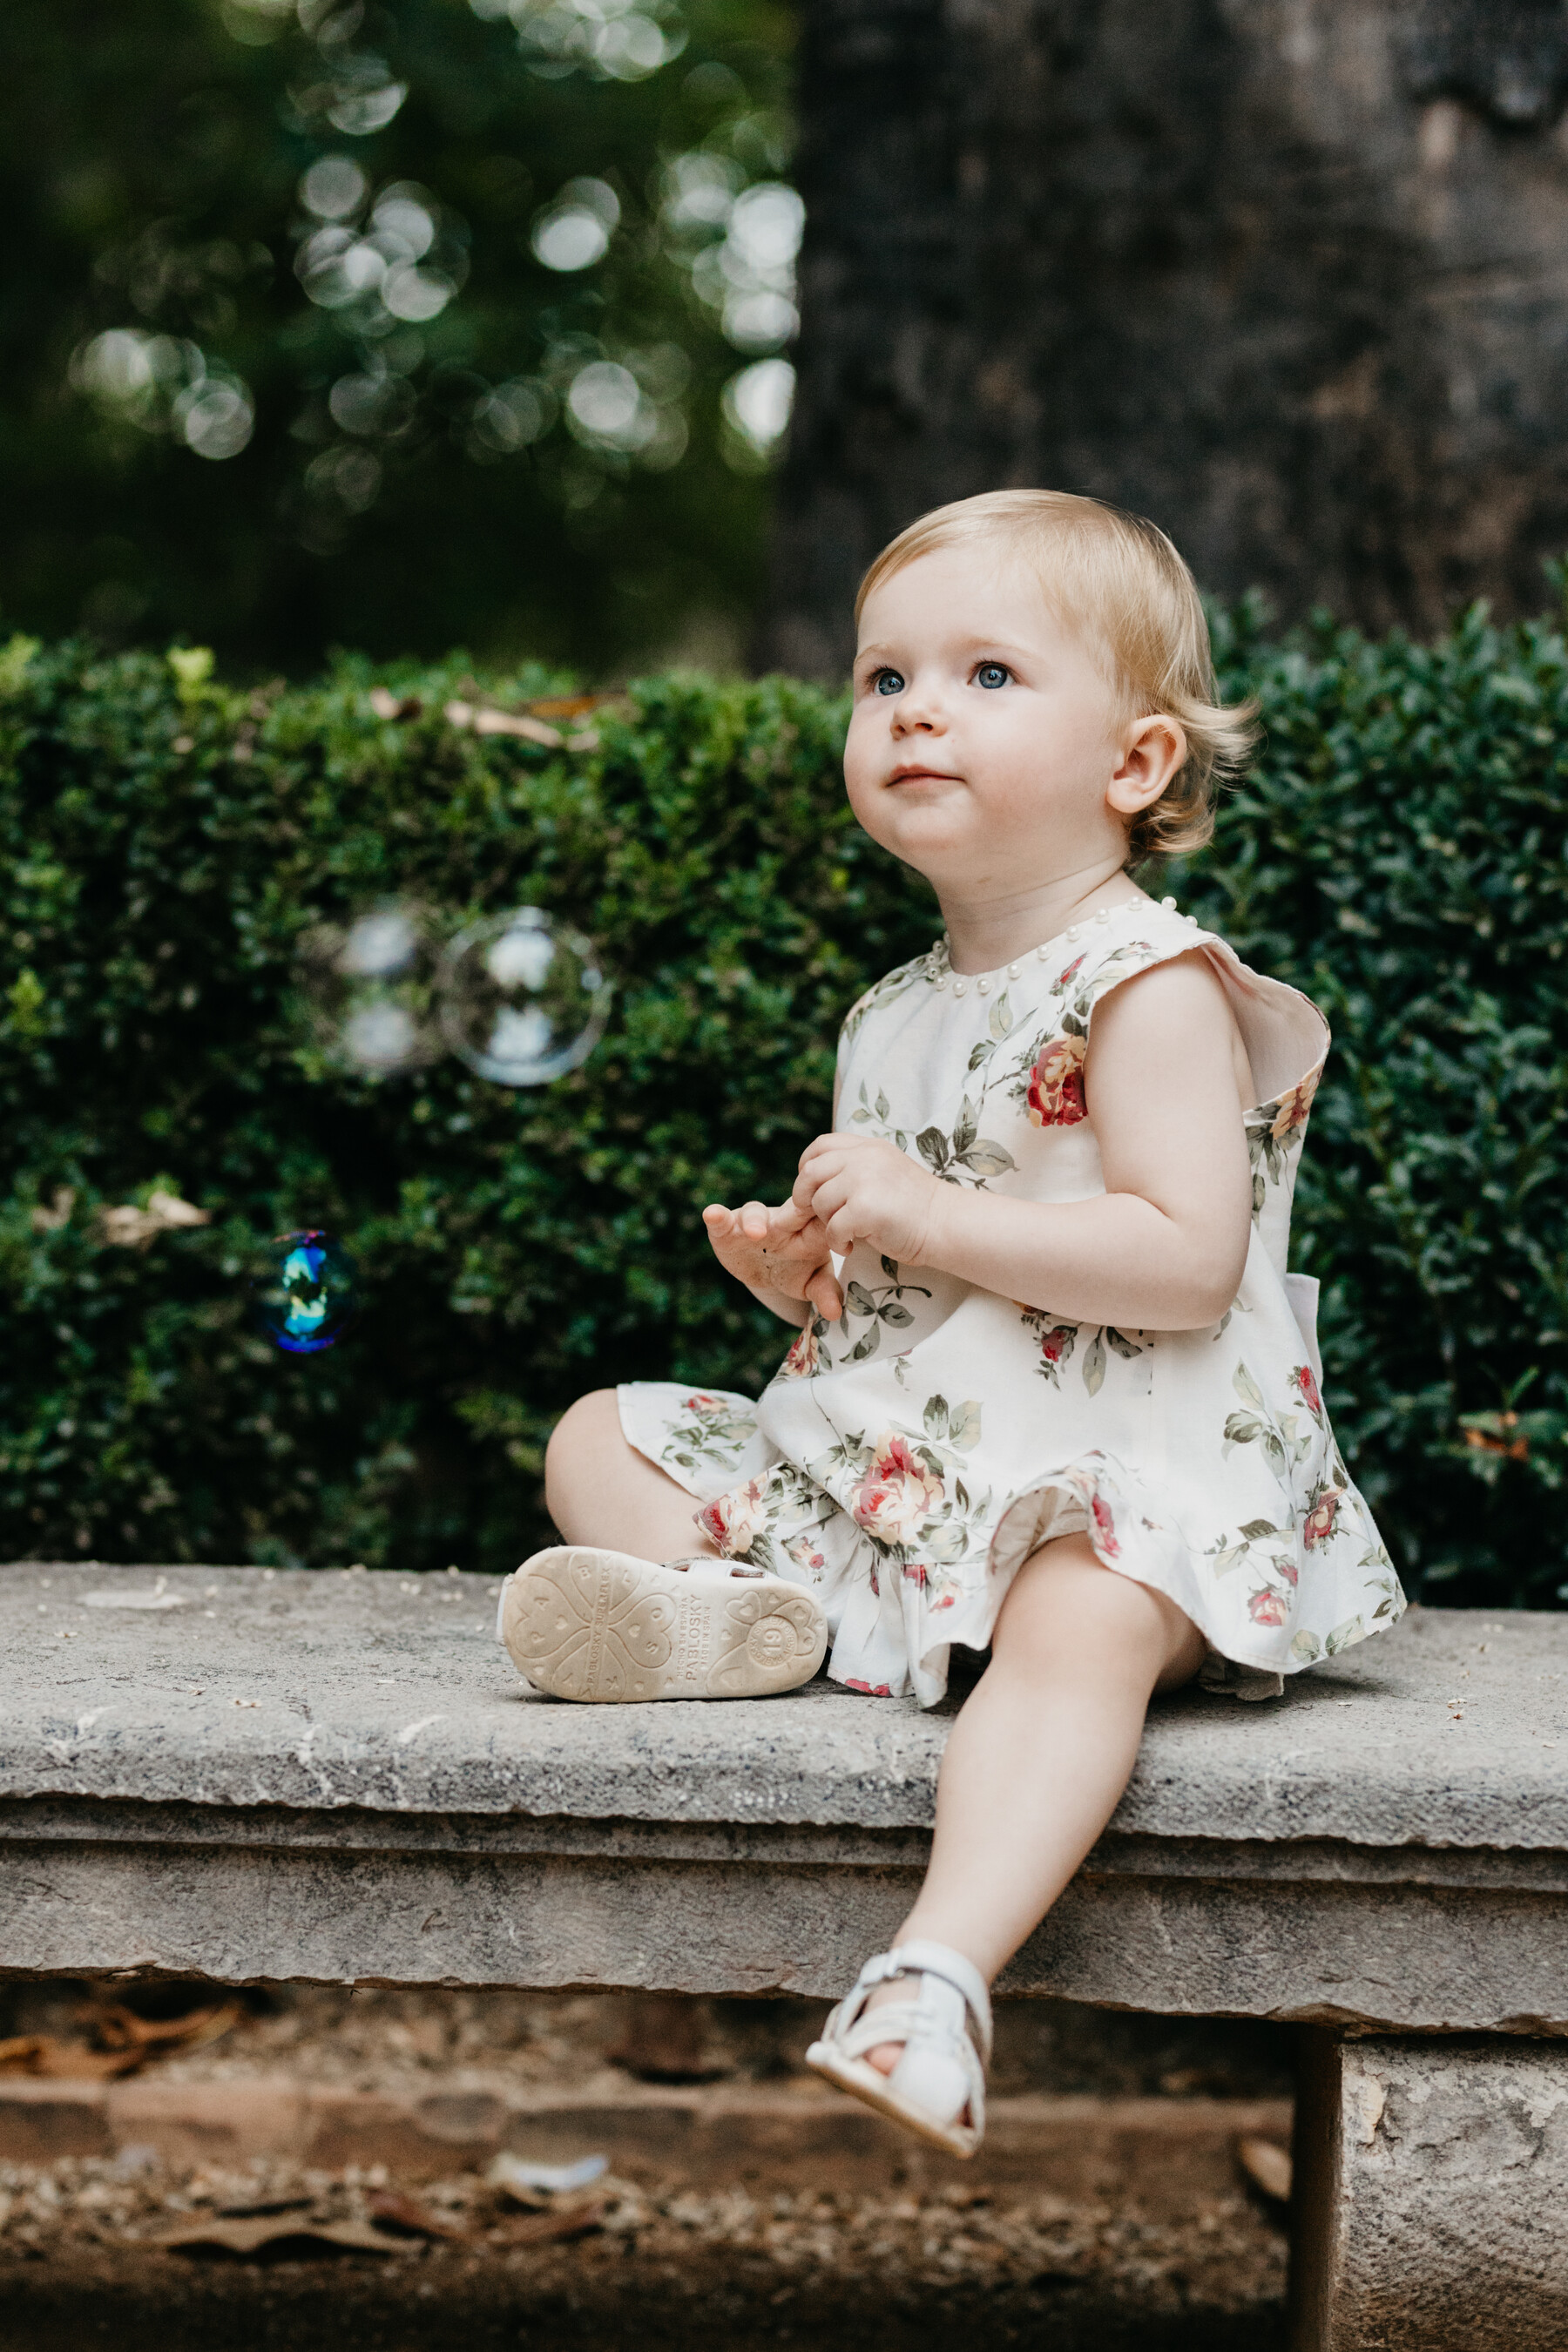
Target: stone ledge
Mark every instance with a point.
(329, 1691)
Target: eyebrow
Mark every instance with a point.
(973, 645)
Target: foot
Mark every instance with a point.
(938, 2023)
(581, 1624)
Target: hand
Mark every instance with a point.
(860, 1188)
(783, 1250)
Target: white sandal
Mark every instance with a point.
(946, 2034)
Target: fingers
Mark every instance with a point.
(841, 1233)
(718, 1219)
(823, 1292)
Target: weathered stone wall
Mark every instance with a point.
(1430, 2177)
(1288, 275)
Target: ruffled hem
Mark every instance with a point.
(890, 1635)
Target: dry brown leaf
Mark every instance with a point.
(51, 1220)
(541, 2229)
(1268, 2166)
(57, 2059)
(115, 2027)
(129, 1227)
(566, 705)
(396, 2211)
(218, 2235)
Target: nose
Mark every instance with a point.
(919, 712)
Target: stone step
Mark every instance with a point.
(1167, 2154)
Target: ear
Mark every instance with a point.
(1152, 751)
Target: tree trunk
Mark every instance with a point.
(1289, 276)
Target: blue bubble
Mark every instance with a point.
(308, 1294)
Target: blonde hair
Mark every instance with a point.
(1117, 580)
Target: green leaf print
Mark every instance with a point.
(965, 1128)
(935, 1416)
(1001, 1022)
(1094, 1365)
(1246, 1387)
(1255, 1529)
(890, 1268)
(1352, 1630)
(859, 1299)
(984, 1159)
(1306, 1646)
(864, 1347)
(931, 1145)
(963, 1425)
(896, 1314)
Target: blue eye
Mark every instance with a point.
(992, 673)
(888, 681)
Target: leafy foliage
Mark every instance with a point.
(298, 302)
(1399, 853)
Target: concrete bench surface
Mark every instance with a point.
(318, 1690)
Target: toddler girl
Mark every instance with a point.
(1052, 1390)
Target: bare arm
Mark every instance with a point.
(1162, 1250)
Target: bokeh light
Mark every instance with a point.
(371, 988)
(523, 998)
(307, 1293)
(757, 405)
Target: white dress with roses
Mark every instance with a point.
(904, 1461)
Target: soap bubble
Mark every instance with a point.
(523, 998)
(308, 1294)
(371, 988)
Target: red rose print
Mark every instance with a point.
(1063, 977)
(1267, 1609)
(1295, 1107)
(732, 1521)
(869, 1690)
(1104, 1528)
(1056, 1083)
(804, 1355)
(1307, 1387)
(915, 1573)
(897, 1493)
(1320, 1519)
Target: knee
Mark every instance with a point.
(578, 1443)
(1078, 1620)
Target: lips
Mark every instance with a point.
(924, 775)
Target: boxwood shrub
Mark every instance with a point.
(166, 840)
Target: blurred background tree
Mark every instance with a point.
(395, 325)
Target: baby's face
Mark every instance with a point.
(984, 735)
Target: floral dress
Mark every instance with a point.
(905, 1460)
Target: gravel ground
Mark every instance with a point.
(78, 2257)
(660, 2264)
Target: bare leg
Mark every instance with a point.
(1042, 1751)
(600, 1490)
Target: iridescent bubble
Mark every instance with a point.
(372, 991)
(307, 1294)
(523, 998)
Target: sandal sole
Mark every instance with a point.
(605, 1628)
(864, 2083)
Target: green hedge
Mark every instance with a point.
(1399, 853)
